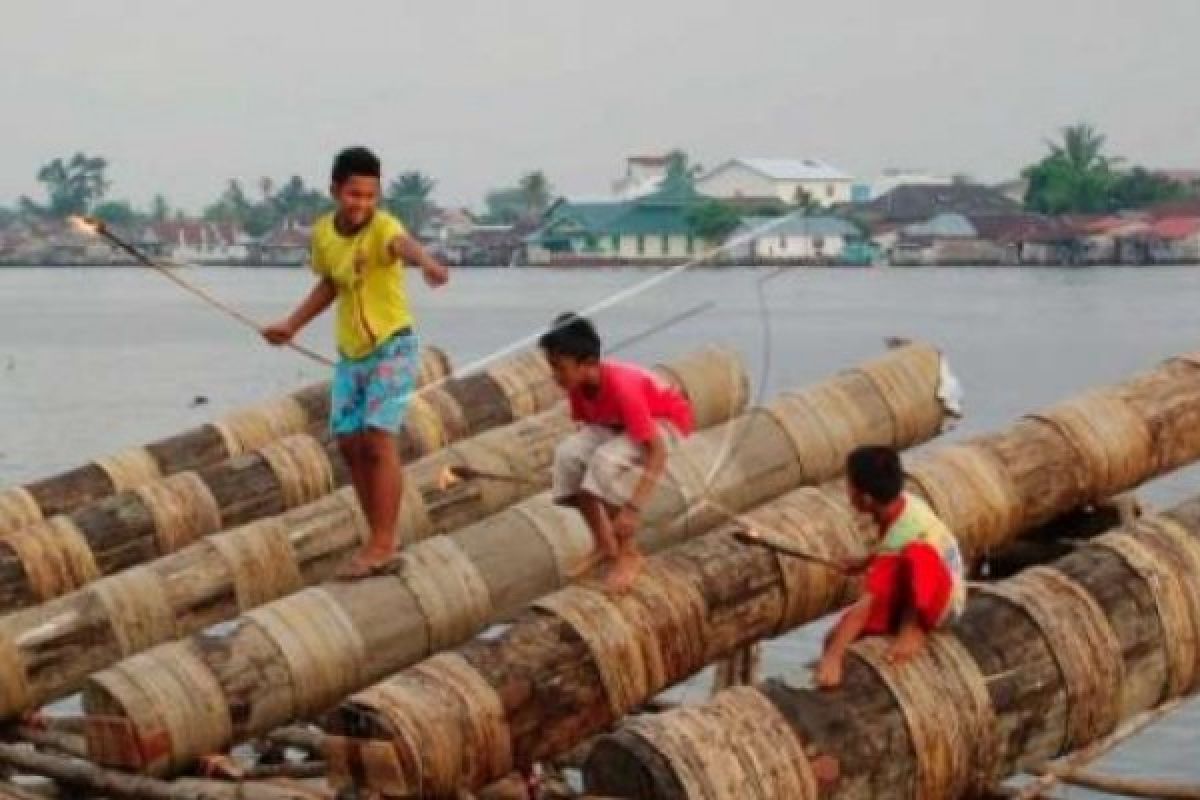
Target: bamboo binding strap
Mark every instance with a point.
(302, 468)
(261, 560)
(322, 649)
(1170, 583)
(948, 712)
(55, 556)
(138, 609)
(1110, 438)
(525, 380)
(183, 509)
(972, 493)
(15, 696)
(907, 384)
(448, 729)
(1083, 643)
(565, 534)
(611, 640)
(129, 468)
(738, 747)
(824, 425)
(250, 428)
(424, 426)
(667, 615)
(165, 694)
(452, 594)
(18, 508)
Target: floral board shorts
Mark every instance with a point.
(373, 392)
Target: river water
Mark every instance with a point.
(92, 360)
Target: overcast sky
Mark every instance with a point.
(180, 95)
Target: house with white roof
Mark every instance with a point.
(777, 180)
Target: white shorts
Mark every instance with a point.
(602, 462)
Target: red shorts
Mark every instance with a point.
(915, 578)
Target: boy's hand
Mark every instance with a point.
(436, 275)
(279, 333)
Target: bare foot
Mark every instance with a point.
(908, 643)
(624, 571)
(364, 564)
(828, 674)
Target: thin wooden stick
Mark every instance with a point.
(1129, 787)
(773, 542)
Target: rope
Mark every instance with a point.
(820, 423)
(248, 429)
(15, 694)
(424, 427)
(137, 607)
(261, 561)
(972, 492)
(526, 381)
(948, 712)
(301, 466)
(1183, 549)
(1170, 585)
(129, 468)
(712, 401)
(323, 652)
(1110, 438)
(610, 638)
(18, 509)
(55, 556)
(449, 589)
(183, 509)
(1082, 642)
(738, 747)
(907, 384)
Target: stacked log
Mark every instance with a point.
(61, 554)
(243, 431)
(578, 660)
(1041, 664)
(296, 657)
(46, 651)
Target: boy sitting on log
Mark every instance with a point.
(610, 466)
(915, 581)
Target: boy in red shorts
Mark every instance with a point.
(914, 583)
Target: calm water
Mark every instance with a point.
(92, 360)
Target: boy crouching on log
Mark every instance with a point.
(359, 253)
(609, 468)
(915, 581)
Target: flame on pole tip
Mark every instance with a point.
(88, 225)
(447, 478)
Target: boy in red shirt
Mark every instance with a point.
(914, 583)
(609, 468)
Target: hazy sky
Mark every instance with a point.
(180, 95)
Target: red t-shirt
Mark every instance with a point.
(632, 399)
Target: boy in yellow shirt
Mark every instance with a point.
(359, 253)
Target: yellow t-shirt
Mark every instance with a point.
(372, 303)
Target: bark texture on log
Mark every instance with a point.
(296, 657)
(1040, 665)
(303, 411)
(272, 475)
(49, 649)
(574, 664)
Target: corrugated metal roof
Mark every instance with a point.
(798, 224)
(788, 169)
(1173, 228)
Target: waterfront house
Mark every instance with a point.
(1174, 240)
(796, 239)
(196, 241)
(908, 203)
(777, 180)
(643, 175)
(287, 245)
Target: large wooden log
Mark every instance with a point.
(47, 650)
(303, 411)
(575, 662)
(296, 657)
(120, 531)
(1041, 664)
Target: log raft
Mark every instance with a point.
(242, 431)
(56, 556)
(1041, 664)
(298, 656)
(48, 649)
(578, 660)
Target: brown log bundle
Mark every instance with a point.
(242, 431)
(295, 658)
(45, 651)
(578, 660)
(1041, 664)
(63, 553)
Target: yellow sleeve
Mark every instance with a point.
(389, 227)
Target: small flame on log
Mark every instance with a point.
(448, 478)
(88, 225)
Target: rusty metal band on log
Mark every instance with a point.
(1040, 665)
(752, 595)
(401, 617)
(235, 571)
(279, 467)
(242, 431)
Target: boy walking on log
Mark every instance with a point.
(359, 253)
(915, 581)
(609, 468)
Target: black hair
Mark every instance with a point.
(877, 472)
(356, 161)
(573, 336)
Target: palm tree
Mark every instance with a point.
(1075, 176)
(76, 185)
(535, 190)
(408, 197)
